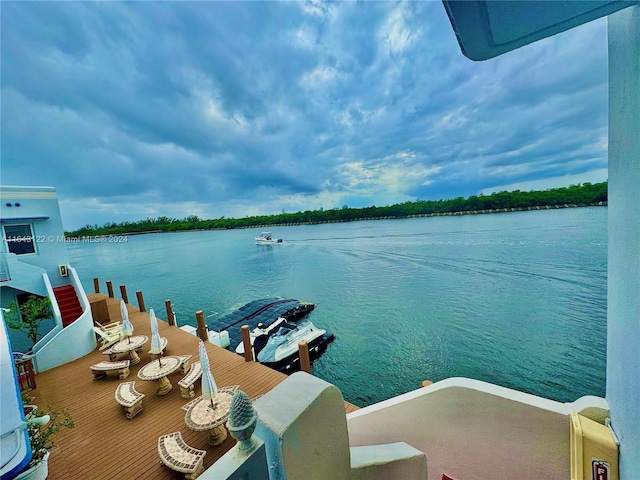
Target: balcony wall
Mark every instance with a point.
(472, 429)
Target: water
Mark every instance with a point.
(516, 299)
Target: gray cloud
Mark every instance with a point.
(238, 108)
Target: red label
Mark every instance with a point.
(600, 470)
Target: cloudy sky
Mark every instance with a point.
(142, 109)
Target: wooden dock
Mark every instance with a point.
(104, 444)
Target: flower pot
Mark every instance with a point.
(38, 472)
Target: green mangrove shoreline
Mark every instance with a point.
(585, 195)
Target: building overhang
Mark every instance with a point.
(22, 219)
(488, 28)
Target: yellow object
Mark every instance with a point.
(594, 452)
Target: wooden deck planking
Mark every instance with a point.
(104, 444)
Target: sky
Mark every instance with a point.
(145, 109)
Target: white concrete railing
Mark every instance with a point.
(5, 273)
(304, 429)
(82, 296)
(23, 276)
(466, 429)
(57, 320)
(473, 429)
(53, 348)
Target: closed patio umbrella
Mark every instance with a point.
(209, 387)
(156, 341)
(127, 327)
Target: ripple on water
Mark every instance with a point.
(515, 299)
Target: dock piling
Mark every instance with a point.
(141, 306)
(110, 288)
(96, 285)
(303, 350)
(171, 319)
(246, 342)
(202, 326)
(123, 293)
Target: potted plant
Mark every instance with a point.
(28, 316)
(43, 425)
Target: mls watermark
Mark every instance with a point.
(101, 239)
(64, 239)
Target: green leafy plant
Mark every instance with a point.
(28, 316)
(43, 425)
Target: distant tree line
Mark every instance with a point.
(575, 195)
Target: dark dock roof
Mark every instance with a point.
(104, 444)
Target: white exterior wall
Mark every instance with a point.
(240, 465)
(52, 350)
(37, 273)
(470, 429)
(38, 207)
(36, 203)
(304, 428)
(623, 314)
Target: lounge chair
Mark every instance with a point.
(107, 336)
(116, 326)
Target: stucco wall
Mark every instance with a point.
(623, 315)
(51, 352)
(472, 429)
(303, 425)
(19, 340)
(36, 203)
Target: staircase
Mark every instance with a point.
(68, 302)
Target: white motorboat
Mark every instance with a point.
(265, 238)
(260, 330)
(281, 348)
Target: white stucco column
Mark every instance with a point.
(623, 308)
(304, 428)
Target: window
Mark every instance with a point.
(19, 239)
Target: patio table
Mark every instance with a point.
(200, 416)
(124, 346)
(153, 371)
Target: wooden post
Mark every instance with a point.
(202, 326)
(246, 343)
(110, 288)
(426, 383)
(171, 319)
(123, 293)
(141, 306)
(96, 285)
(303, 351)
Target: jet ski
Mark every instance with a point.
(279, 349)
(260, 330)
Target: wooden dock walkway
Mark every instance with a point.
(104, 444)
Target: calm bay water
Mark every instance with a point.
(516, 299)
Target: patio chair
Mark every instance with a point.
(179, 456)
(116, 326)
(106, 336)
